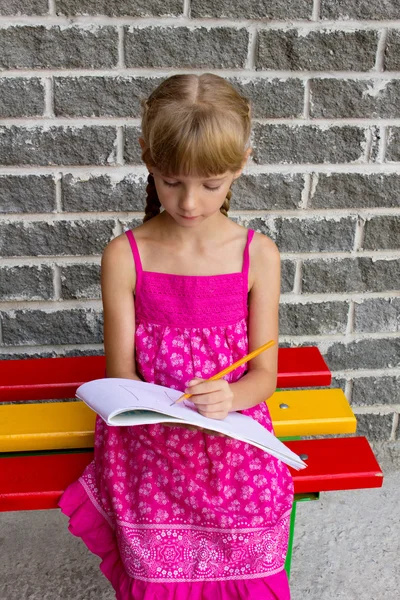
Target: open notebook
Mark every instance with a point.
(129, 402)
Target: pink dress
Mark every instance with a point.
(177, 513)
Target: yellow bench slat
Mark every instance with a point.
(311, 412)
(63, 425)
(46, 426)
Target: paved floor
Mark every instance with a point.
(347, 547)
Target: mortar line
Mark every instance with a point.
(359, 234)
(316, 10)
(80, 122)
(252, 48)
(58, 192)
(139, 171)
(380, 51)
(52, 8)
(350, 319)
(382, 144)
(297, 285)
(151, 72)
(395, 426)
(307, 100)
(306, 191)
(88, 21)
(48, 98)
(57, 282)
(121, 48)
(348, 390)
(186, 8)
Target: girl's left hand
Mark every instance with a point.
(213, 399)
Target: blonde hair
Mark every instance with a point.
(194, 125)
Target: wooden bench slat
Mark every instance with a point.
(37, 481)
(63, 425)
(311, 412)
(53, 378)
(336, 464)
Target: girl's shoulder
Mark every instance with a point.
(263, 248)
(264, 258)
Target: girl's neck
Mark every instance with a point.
(206, 232)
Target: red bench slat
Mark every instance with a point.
(52, 378)
(37, 481)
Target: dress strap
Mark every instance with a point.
(246, 254)
(246, 266)
(136, 256)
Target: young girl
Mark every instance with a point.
(178, 513)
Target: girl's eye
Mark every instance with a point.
(171, 184)
(212, 189)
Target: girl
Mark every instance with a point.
(179, 513)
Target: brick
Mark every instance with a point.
(369, 391)
(288, 270)
(364, 354)
(101, 96)
(132, 149)
(308, 235)
(376, 315)
(34, 327)
(26, 283)
(340, 98)
(102, 194)
(252, 9)
(375, 427)
(25, 47)
(130, 223)
(273, 98)
(290, 144)
(59, 238)
(57, 145)
(21, 98)
(350, 275)
(360, 9)
(24, 7)
(218, 48)
(354, 190)
(392, 51)
(27, 194)
(139, 8)
(80, 281)
(313, 318)
(270, 191)
(382, 233)
(393, 146)
(316, 50)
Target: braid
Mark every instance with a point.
(152, 203)
(225, 207)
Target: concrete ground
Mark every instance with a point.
(347, 546)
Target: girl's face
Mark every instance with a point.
(191, 200)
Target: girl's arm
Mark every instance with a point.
(259, 383)
(118, 280)
(217, 398)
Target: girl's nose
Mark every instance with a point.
(187, 200)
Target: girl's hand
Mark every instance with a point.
(213, 399)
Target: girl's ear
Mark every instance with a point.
(142, 143)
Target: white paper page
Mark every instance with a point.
(111, 397)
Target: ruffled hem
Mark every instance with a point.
(88, 524)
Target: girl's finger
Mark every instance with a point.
(203, 387)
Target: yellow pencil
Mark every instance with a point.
(235, 365)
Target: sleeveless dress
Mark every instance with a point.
(176, 513)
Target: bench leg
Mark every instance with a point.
(288, 562)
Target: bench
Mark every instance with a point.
(45, 446)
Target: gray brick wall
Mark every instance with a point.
(323, 180)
